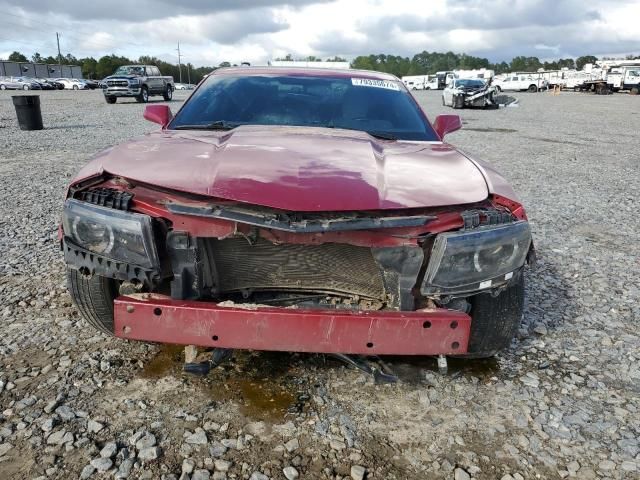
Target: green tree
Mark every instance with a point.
(224, 64)
(36, 58)
(89, 67)
(582, 61)
(336, 59)
(17, 57)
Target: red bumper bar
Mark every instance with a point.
(157, 318)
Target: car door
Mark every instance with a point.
(153, 80)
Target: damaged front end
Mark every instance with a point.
(474, 97)
(195, 271)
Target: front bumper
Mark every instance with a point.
(158, 318)
(121, 92)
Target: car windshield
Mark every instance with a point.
(381, 108)
(129, 70)
(469, 83)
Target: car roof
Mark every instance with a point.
(305, 71)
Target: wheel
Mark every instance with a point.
(168, 94)
(144, 96)
(576, 89)
(75, 87)
(25, 87)
(443, 102)
(495, 320)
(498, 89)
(634, 91)
(3, 87)
(94, 298)
(532, 89)
(457, 101)
(111, 99)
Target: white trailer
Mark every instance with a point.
(613, 77)
(481, 73)
(415, 82)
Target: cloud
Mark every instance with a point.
(211, 31)
(142, 10)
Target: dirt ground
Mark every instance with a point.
(561, 402)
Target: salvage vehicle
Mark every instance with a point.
(139, 82)
(296, 209)
(466, 92)
(72, 83)
(9, 83)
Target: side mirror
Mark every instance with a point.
(160, 114)
(445, 124)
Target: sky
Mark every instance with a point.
(213, 31)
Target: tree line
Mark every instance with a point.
(428, 63)
(424, 63)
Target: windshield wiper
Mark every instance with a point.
(217, 125)
(383, 135)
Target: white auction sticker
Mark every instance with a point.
(368, 82)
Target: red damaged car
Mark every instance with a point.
(306, 210)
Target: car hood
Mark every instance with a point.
(298, 168)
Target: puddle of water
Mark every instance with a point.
(258, 382)
(167, 361)
(259, 398)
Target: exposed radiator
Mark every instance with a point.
(330, 267)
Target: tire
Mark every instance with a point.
(25, 87)
(532, 89)
(111, 100)
(443, 102)
(144, 95)
(75, 87)
(498, 89)
(634, 91)
(94, 298)
(495, 320)
(168, 94)
(457, 101)
(3, 87)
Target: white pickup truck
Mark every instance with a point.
(519, 82)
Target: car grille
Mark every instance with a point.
(117, 83)
(328, 268)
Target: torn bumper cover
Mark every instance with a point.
(158, 318)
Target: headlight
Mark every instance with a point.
(122, 236)
(134, 81)
(477, 259)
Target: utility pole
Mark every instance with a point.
(59, 54)
(188, 73)
(179, 62)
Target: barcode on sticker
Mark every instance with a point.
(368, 82)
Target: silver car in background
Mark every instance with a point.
(8, 83)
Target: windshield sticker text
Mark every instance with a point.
(367, 82)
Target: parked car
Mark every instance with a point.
(295, 209)
(28, 83)
(181, 86)
(8, 83)
(45, 84)
(92, 84)
(468, 92)
(72, 83)
(139, 82)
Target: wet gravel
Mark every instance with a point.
(562, 402)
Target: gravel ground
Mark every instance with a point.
(562, 402)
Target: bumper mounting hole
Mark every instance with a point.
(426, 324)
(369, 345)
(157, 311)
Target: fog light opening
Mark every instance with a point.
(454, 325)
(455, 345)
(426, 324)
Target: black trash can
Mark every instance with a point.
(28, 111)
